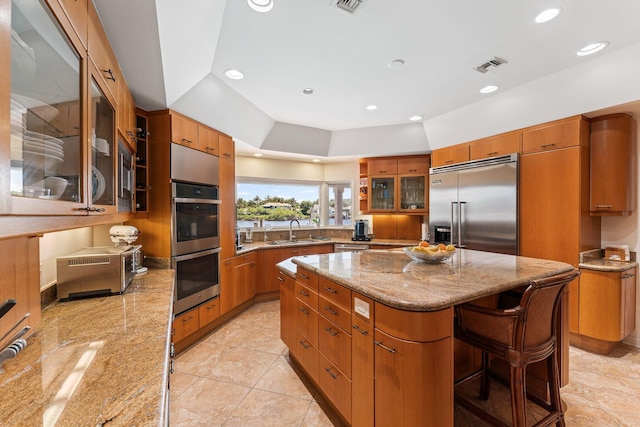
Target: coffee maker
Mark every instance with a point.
(361, 232)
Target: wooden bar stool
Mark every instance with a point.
(520, 336)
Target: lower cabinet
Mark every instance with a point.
(238, 278)
(384, 366)
(185, 324)
(271, 257)
(607, 308)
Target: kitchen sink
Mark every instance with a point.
(290, 242)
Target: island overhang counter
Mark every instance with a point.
(349, 318)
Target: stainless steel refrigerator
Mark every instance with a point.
(474, 205)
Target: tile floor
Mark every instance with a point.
(241, 375)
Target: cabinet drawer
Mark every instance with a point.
(383, 167)
(335, 293)
(498, 145)
(307, 296)
(335, 385)
(335, 344)
(185, 324)
(307, 322)
(245, 259)
(307, 355)
(308, 278)
(552, 136)
(422, 326)
(413, 165)
(335, 313)
(209, 311)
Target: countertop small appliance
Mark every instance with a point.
(361, 232)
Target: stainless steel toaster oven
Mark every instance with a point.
(96, 271)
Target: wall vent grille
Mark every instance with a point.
(350, 6)
(490, 65)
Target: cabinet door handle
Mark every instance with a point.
(493, 153)
(334, 376)
(186, 319)
(331, 331)
(304, 276)
(304, 294)
(331, 291)
(91, 209)
(413, 170)
(389, 349)
(330, 310)
(628, 276)
(362, 331)
(603, 206)
(305, 345)
(304, 311)
(548, 145)
(280, 278)
(211, 306)
(110, 72)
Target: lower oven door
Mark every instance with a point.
(197, 278)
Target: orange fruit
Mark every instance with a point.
(424, 244)
(442, 247)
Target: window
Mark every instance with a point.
(276, 203)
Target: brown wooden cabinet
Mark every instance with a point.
(100, 53)
(607, 308)
(77, 13)
(208, 140)
(450, 155)
(498, 145)
(227, 285)
(403, 393)
(208, 312)
(305, 349)
(245, 277)
(184, 131)
(554, 135)
(287, 309)
(185, 324)
(362, 363)
(268, 281)
(613, 165)
(226, 146)
(383, 166)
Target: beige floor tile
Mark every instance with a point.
(263, 341)
(179, 382)
(282, 379)
(206, 403)
(263, 408)
(317, 417)
(587, 416)
(243, 367)
(201, 358)
(626, 419)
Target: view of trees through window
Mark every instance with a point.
(276, 203)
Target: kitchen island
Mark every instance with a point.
(348, 318)
(95, 361)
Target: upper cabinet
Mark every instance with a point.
(100, 53)
(184, 131)
(552, 136)
(613, 165)
(450, 155)
(76, 11)
(394, 185)
(498, 145)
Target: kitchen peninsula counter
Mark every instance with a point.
(392, 278)
(95, 361)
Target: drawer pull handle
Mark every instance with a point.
(304, 311)
(186, 319)
(305, 345)
(331, 291)
(304, 276)
(211, 306)
(186, 141)
(330, 310)
(389, 349)
(281, 279)
(493, 153)
(603, 206)
(331, 331)
(413, 170)
(628, 276)
(304, 294)
(334, 376)
(548, 145)
(362, 331)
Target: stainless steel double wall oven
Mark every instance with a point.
(195, 226)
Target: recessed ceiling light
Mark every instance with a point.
(415, 118)
(372, 107)
(489, 89)
(234, 74)
(592, 48)
(257, 154)
(396, 63)
(307, 91)
(261, 5)
(316, 160)
(547, 15)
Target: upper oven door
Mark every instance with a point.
(195, 218)
(189, 165)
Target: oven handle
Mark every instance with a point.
(201, 201)
(197, 254)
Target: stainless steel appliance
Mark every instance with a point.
(197, 278)
(361, 230)
(96, 271)
(195, 227)
(474, 204)
(346, 247)
(125, 178)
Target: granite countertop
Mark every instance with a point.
(249, 247)
(594, 260)
(392, 278)
(95, 361)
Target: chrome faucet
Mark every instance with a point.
(291, 236)
(266, 229)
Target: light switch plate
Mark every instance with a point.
(361, 307)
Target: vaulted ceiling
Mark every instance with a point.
(174, 54)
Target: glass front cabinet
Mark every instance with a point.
(397, 185)
(62, 146)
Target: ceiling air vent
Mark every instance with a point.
(490, 65)
(347, 5)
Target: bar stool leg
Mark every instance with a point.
(518, 397)
(484, 379)
(554, 388)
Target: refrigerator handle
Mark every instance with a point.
(454, 224)
(460, 224)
